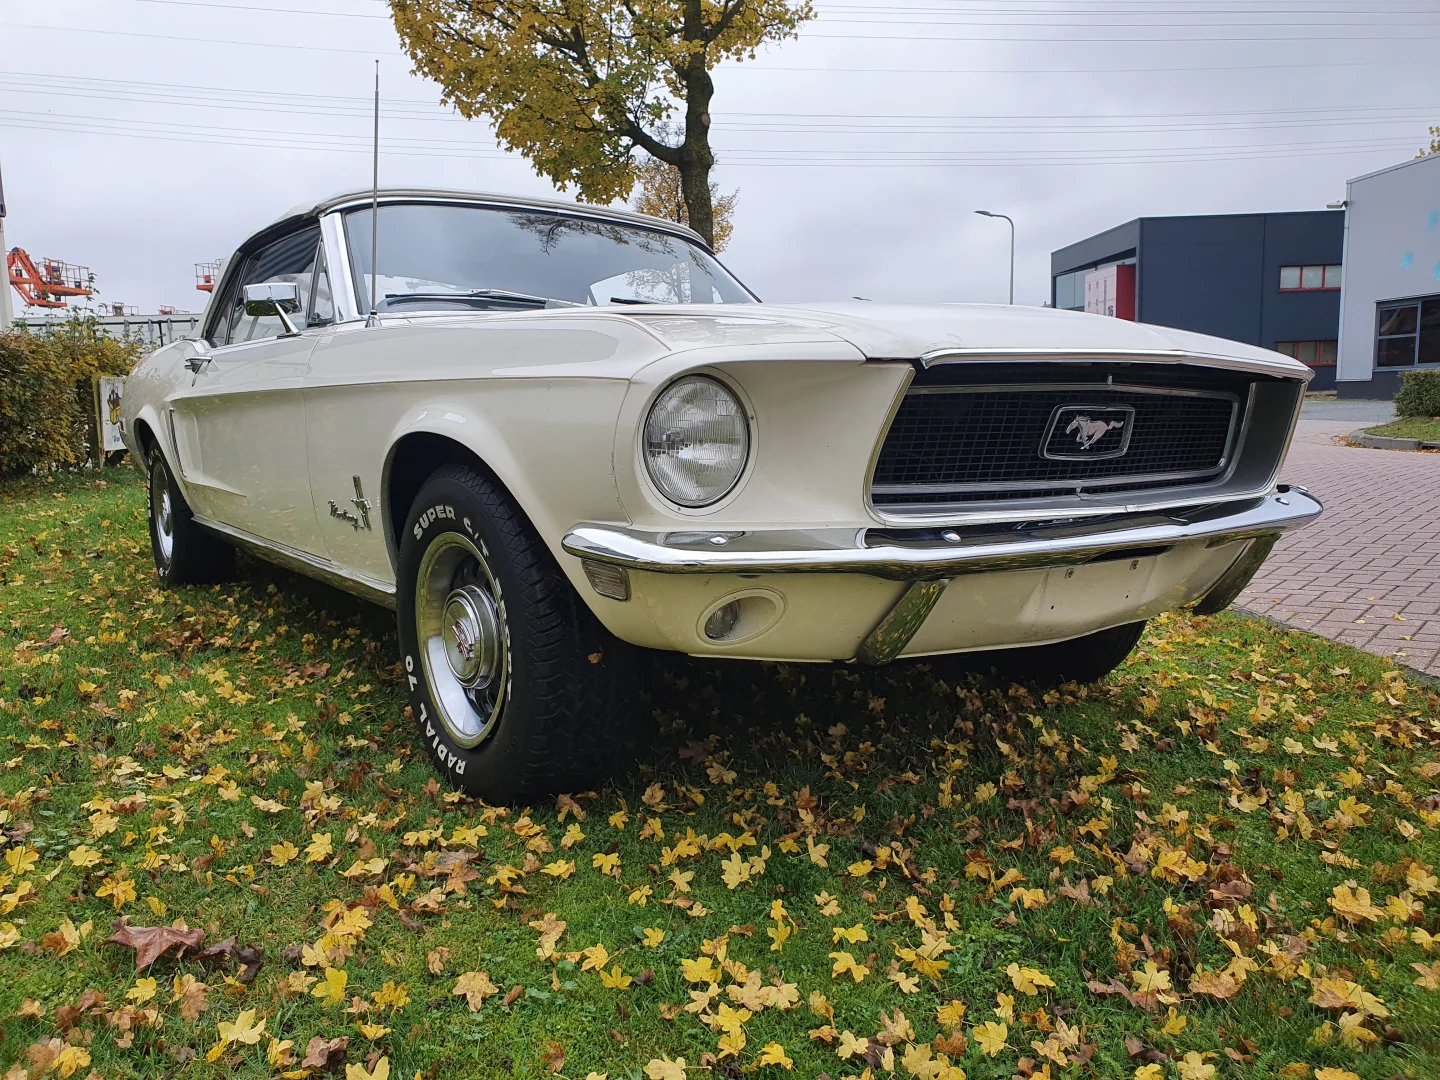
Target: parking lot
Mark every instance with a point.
(1368, 573)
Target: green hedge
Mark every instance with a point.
(1419, 394)
(47, 411)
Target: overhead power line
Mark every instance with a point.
(871, 157)
(234, 100)
(948, 13)
(1344, 38)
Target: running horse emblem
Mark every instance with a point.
(1088, 432)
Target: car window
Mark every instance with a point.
(322, 303)
(445, 255)
(291, 258)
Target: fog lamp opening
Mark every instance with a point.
(741, 616)
(722, 621)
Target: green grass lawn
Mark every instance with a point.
(1412, 427)
(1218, 863)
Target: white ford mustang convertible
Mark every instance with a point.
(534, 428)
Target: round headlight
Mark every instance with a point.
(696, 441)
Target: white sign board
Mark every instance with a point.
(112, 428)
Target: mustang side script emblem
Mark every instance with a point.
(1088, 432)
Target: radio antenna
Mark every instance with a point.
(373, 319)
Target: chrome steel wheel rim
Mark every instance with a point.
(161, 513)
(464, 643)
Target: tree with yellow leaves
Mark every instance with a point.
(662, 195)
(577, 86)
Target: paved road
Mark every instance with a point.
(1368, 573)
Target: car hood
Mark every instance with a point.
(950, 332)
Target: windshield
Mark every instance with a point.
(470, 256)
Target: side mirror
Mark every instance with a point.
(274, 299)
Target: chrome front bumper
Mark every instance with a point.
(930, 558)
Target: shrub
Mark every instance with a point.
(1419, 394)
(47, 393)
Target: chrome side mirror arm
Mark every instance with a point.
(274, 299)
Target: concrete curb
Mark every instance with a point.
(1358, 437)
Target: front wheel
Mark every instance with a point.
(515, 687)
(1084, 659)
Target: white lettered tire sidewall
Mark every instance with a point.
(558, 706)
(429, 521)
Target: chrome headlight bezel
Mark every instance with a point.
(686, 492)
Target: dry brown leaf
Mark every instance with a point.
(150, 941)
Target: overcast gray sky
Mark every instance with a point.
(141, 136)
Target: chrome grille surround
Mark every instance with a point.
(1251, 414)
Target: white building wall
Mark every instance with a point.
(1392, 251)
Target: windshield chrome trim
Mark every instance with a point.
(337, 254)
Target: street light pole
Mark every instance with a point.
(987, 213)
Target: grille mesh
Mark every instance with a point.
(976, 444)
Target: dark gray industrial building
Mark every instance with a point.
(1271, 280)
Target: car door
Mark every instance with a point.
(240, 423)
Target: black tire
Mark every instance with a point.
(185, 554)
(546, 694)
(1083, 660)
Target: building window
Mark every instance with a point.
(1408, 333)
(1314, 353)
(1070, 286)
(1309, 278)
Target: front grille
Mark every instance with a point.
(964, 436)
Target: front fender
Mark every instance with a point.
(552, 456)
(147, 389)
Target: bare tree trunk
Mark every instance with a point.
(696, 158)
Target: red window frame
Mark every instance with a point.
(1324, 286)
(1319, 345)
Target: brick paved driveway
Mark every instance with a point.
(1368, 572)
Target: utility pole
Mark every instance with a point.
(5, 316)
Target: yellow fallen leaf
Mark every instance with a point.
(702, 970)
(84, 856)
(1151, 979)
(845, 963)
(142, 991)
(661, 1068)
(243, 1029)
(853, 934)
(1027, 980)
(319, 849)
(475, 987)
(990, 1037)
(359, 1072)
(282, 853)
(331, 989)
(951, 1013)
(773, 1054)
(614, 979)
(653, 936)
(1354, 906)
